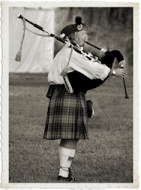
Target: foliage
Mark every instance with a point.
(110, 28)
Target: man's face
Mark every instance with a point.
(80, 37)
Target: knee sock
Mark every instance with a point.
(66, 157)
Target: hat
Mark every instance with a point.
(70, 29)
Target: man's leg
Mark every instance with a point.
(67, 150)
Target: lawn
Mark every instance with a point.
(106, 157)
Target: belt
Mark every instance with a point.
(58, 86)
(52, 88)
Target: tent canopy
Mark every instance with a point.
(37, 51)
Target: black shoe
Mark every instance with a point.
(63, 179)
(70, 176)
(67, 179)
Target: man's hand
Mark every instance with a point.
(122, 63)
(120, 72)
(103, 50)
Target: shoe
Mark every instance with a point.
(67, 179)
(63, 179)
(70, 176)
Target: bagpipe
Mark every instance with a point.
(78, 81)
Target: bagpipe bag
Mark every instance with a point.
(80, 82)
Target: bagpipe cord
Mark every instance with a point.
(18, 56)
(64, 73)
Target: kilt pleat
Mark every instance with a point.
(66, 116)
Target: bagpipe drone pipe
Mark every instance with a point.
(78, 81)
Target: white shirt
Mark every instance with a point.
(78, 62)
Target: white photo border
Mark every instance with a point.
(5, 94)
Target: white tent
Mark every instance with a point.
(37, 52)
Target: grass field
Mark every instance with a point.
(107, 157)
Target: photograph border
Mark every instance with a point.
(5, 94)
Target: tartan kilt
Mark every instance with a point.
(66, 116)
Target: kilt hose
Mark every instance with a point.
(67, 115)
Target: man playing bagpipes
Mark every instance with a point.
(70, 76)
